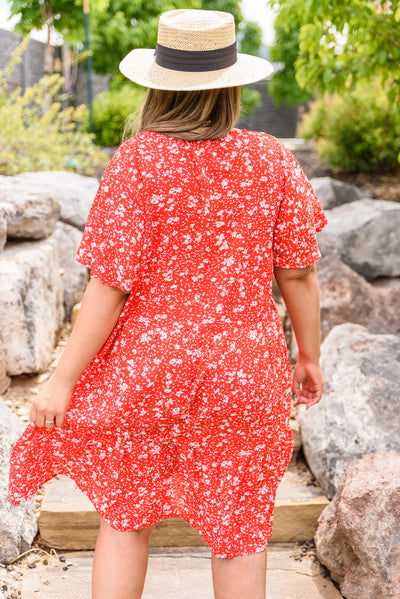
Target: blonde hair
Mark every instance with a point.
(191, 115)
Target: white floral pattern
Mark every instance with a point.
(185, 410)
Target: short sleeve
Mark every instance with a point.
(300, 217)
(114, 239)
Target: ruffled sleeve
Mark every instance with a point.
(300, 217)
(114, 241)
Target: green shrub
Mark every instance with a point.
(111, 108)
(38, 134)
(359, 131)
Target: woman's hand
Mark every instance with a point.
(307, 383)
(99, 313)
(51, 403)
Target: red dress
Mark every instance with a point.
(185, 409)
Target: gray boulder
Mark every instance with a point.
(74, 275)
(77, 193)
(332, 193)
(359, 411)
(365, 235)
(37, 208)
(347, 297)
(358, 536)
(18, 525)
(31, 304)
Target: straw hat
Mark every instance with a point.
(196, 49)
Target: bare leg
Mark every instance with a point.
(120, 563)
(241, 577)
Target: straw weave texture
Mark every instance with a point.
(196, 30)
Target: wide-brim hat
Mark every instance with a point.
(196, 49)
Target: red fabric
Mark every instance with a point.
(185, 410)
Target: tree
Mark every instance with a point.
(285, 50)
(63, 16)
(345, 43)
(251, 38)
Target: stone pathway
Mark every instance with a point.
(182, 575)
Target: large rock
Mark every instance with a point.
(359, 410)
(332, 193)
(18, 525)
(37, 208)
(31, 304)
(347, 297)
(358, 537)
(77, 193)
(74, 276)
(365, 235)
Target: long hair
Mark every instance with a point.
(190, 115)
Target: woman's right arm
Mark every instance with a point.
(300, 292)
(99, 313)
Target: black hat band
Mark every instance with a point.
(195, 61)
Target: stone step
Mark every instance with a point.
(183, 574)
(68, 519)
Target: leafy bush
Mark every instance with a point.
(38, 134)
(111, 108)
(359, 131)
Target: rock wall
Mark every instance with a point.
(39, 279)
(351, 439)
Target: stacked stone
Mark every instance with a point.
(351, 439)
(42, 216)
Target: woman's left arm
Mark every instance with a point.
(99, 313)
(300, 291)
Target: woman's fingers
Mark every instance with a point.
(41, 417)
(50, 405)
(307, 384)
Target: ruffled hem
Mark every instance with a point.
(196, 524)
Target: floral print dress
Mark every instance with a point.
(185, 409)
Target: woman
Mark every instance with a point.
(172, 396)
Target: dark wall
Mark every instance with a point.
(30, 69)
(279, 121)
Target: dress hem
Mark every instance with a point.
(189, 520)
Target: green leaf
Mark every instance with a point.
(397, 15)
(383, 57)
